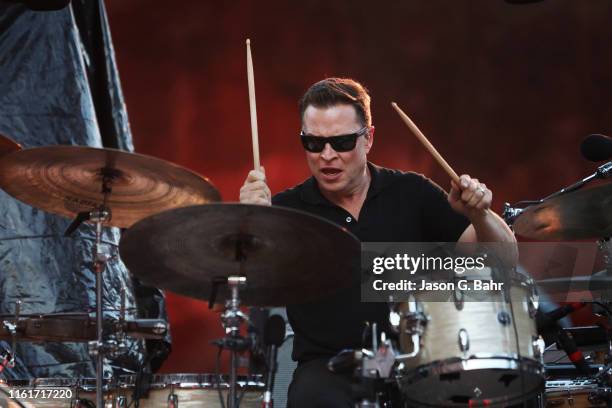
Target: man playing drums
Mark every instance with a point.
(374, 203)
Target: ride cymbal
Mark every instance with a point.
(287, 256)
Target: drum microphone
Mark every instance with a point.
(274, 336)
(547, 322)
(596, 147)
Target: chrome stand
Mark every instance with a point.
(232, 319)
(100, 258)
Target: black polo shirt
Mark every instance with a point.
(399, 207)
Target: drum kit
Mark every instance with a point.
(180, 238)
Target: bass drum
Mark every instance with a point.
(470, 351)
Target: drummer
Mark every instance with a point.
(377, 205)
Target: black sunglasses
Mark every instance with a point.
(341, 143)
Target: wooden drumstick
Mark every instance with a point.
(427, 144)
(253, 109)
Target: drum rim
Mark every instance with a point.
(456, 365)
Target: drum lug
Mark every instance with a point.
(458, 298)
(504, 318)
(415, 321)
(120, 402)
(463, 338)
(538, 344)
(533, 303)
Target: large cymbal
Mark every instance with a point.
(580, 214)
(66, 180)
(288, 256)
(7, 145)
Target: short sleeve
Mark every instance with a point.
(440, 222)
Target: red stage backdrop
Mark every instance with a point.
(506, 93)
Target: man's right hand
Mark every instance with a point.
(255, 190)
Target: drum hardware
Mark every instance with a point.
(7, 359)
(415, 322)
(371, 367)
(173, 401)
(232, 319)
(463, 339)
(539, 346)
(458, 296)
(11, 327)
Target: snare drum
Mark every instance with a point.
(465, 351)
(185, 390)
(194, 390)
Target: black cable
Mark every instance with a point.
(244, 388)
(218, 376)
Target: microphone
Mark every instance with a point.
(274, 336)
(596, 147)
(567, 344)
(547, 322)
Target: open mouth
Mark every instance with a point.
(330, 172)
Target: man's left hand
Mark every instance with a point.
(470, 198)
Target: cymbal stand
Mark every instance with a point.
(96, 348)
(99, 216)
(232, 319)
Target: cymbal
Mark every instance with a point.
(66, 180)
(288, 256)
(7, 145)
(580, 214)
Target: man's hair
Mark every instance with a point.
(336, 91)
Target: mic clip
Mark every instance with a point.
(605, 171)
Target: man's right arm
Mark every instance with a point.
(255, 190)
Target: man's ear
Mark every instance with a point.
(370, 139)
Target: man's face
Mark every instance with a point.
(336, 172)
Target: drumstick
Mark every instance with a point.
(251, 80)
(427, 144)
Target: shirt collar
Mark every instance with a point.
(311, 194)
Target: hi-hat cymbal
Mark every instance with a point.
(287, 256)
(7, 145)
(580, 214)
(66, 180)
